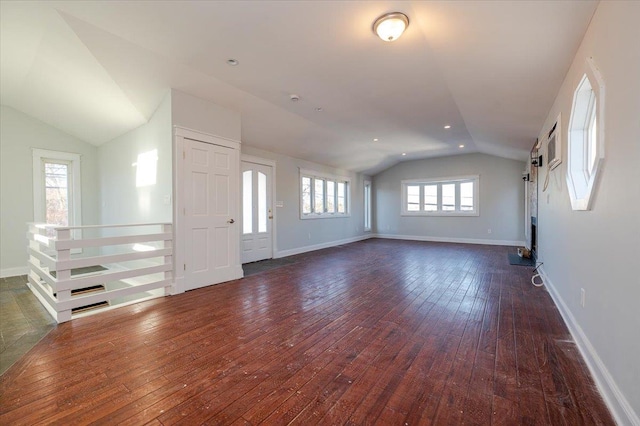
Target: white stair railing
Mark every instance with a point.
(138, 266)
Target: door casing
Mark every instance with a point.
(270, 163)
(180, 234)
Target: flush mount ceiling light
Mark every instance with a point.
(390, 26)
(232, 62)
(448, 126)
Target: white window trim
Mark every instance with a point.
(367, 207)
(445, 180)
(326, 176)
(582, 181)
(75, 215)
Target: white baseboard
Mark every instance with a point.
(14, 272)
(450, 240)
(284, 253)
(621, 409)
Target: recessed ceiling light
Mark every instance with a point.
(390, 26)
(232, 62)
(460, 146)
(404, 153)
(447, 126)
(319, 109)
(294, 98)
(375, 139)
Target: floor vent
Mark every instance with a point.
(87, 290)
(89, 307)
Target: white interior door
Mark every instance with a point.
(210, 214)
(257, 212)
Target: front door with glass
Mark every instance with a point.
(257, 212)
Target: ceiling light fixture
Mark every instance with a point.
(404, 153)
(319, 109)
(232, 62)
(375, 139)
(294, 98)
(447, 126)
(390, 26)
(460, 146)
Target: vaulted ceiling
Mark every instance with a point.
(489, 69)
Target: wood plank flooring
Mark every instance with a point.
(376, 332)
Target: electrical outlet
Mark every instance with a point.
(489, 231)
(583, 297)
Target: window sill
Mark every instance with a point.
(441, 214)
(324, 216)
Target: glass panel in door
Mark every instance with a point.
(247, 202)
(262, 202)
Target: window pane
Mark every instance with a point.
(247, 202)
(331, 197)
(306, 195)
(262, 202)
(342, 199)
(56, 193)
(466, 196)
(431, 198)
(593, 139)
(413, 198)
(367, 206)
(449, 197)
(318, 191)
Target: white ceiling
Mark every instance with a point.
(490, 69)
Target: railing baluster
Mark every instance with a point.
(57, 292)
(62, 274)
(168, 243)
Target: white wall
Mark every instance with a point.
(19, 134)
(122, 201)
(501, 201)
(597, 250)
(199, 114)
(295, 235)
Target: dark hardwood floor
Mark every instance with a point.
(380, 331)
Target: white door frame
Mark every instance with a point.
(272, 164)
(180, 134)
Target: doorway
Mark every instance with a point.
(256, 241)
(206, 210)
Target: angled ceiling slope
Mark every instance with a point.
(489, 69)
(48, 73)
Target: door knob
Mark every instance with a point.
(231, 221)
